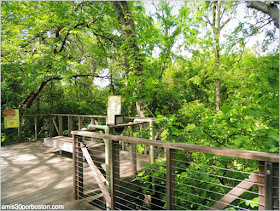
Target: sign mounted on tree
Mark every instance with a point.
(114, 108)
(11, 118)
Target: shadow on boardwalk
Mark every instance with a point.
(32, 173)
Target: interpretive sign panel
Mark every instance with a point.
(114, 108)
(11, 118)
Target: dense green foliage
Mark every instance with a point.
(188, 63)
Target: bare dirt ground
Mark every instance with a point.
(32, 173)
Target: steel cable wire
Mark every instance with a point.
(220, 185)
(215, 200)
(213, 175)
(140, 187)
(218, 168)
(134, 202)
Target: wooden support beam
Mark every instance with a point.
(54, 123)
(235, 192)
(114, 172)
(43, 128)
(170, 179)
(60, 126)
(70, 126)
(97, 175)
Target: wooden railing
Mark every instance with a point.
(267, 178)
(57, 126)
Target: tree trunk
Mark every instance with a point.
(218, 97)
(139, 107)
(269, 9)
(133, 58)
(127, 27)
(216, 27)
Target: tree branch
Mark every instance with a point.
(66, 36)
(31, 98)
(208, 21)
(204, 131)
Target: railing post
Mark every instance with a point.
(77, 168)
(51, 126)
(19, 126)
(275, 178)
(268, 186)
(80, 122)
(261, 185)
(60, 126)
(133, 153)
(152, 135)
(69, 126)
(170, 179)
(92, 121)
(36, 126)
(114, 171)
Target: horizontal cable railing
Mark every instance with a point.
(138, 173)
(183, 176)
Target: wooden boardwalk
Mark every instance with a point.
(32, 173)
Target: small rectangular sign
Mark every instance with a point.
(12, 122)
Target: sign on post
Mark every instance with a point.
(11, 118)
(114, 108)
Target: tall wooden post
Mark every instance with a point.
(78, 168)
(268, 186)
(275, 186)
(261, 185)
(152, 135)
(19, 126)
(69, 126)
(80, 122)
(36, 126)
(114, 172)
(92, 121)
(170, 179)
(60, 126)
(51, 126)
(133, 154)
(36, 118)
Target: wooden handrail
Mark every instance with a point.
(83, 115)
(36, 115)
(73, 115)
(245, 154)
